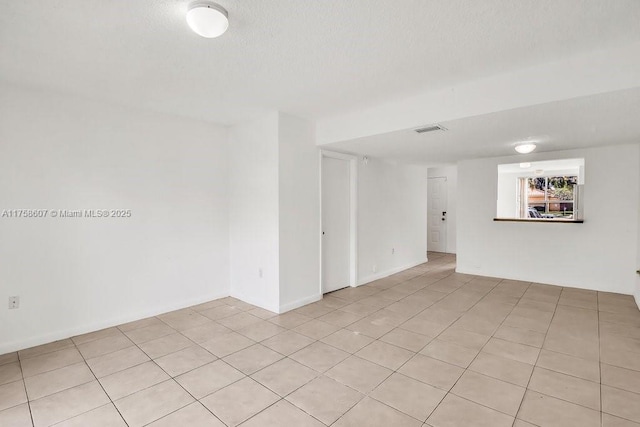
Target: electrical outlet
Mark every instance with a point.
(374, 268)
(260, 273)
(14, 302)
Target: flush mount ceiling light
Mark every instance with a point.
(525, 148)
(207, 19)
(525, 165)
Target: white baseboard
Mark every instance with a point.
(386, 273)
(299, 303)
(72, 332)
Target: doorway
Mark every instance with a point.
(437, 214)
(338, 221)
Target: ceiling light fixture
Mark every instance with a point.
(525, 165)
(525, 148)
(207, 19)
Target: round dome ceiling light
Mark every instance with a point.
(525, 148)
(207, 19)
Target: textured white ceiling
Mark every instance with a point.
(606, 119)
(311, 58)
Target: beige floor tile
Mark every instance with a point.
(621, 358)
(12, 394)
(193, 415)
(91, 336)
(209, 378)
(165, 345)
(372, 413)
(406, 339)
(220, 312)
(239, 401)
(387, 355)
(510, 350)
(67, 404)
(149, 333)
(547, 411)
(262, 313)
(290, 320)
(520, 423)
(316, 329)
(152, 403)
(347, 340)
(564, 343)
(455, 411)
(359, 309)
(45, 348)
(205, 332)
(285, 376)
(253, 358)
(239, 321)
(464, 338)
(50, 361)
(185, 320)
(261, 331)
(185, 360)
(117, 361)
(104, 416)
(226, 344)
(570, 365)
(10, 372)
(336, 399)
(132, 380)
(315, 310)
(138, 324)
(287, 342)
(105, 345)
(477, 324)
(319, 356)
(520, 336)
(8, 358)
(340, 318)
(280, 414)
(490, 392)
(621, 378)
(409, 396)
(51, 382)
(370, 328)
(621, 403)
(423, 327)
(359, 374)
(431, 371)
(450, 353)
(612, 421)
(17, 416)
(508, 370)
(566, 387)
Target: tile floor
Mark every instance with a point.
(425, 347)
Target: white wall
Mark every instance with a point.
(299, 190)
(637, 290)
(75, 275)
(599, 254)
(392, 212)
(253, 212)
(451, 173)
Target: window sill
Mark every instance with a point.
(545, 220)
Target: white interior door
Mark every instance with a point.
(437, 215)
(336, 201)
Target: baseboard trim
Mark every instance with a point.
(72, 332)
(387, 273)
(299, 303)
(637, 298)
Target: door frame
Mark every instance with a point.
(353, 214)
(446, 227)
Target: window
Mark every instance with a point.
(543, 191)
(548, 196)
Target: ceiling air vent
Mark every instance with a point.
(431, 128)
